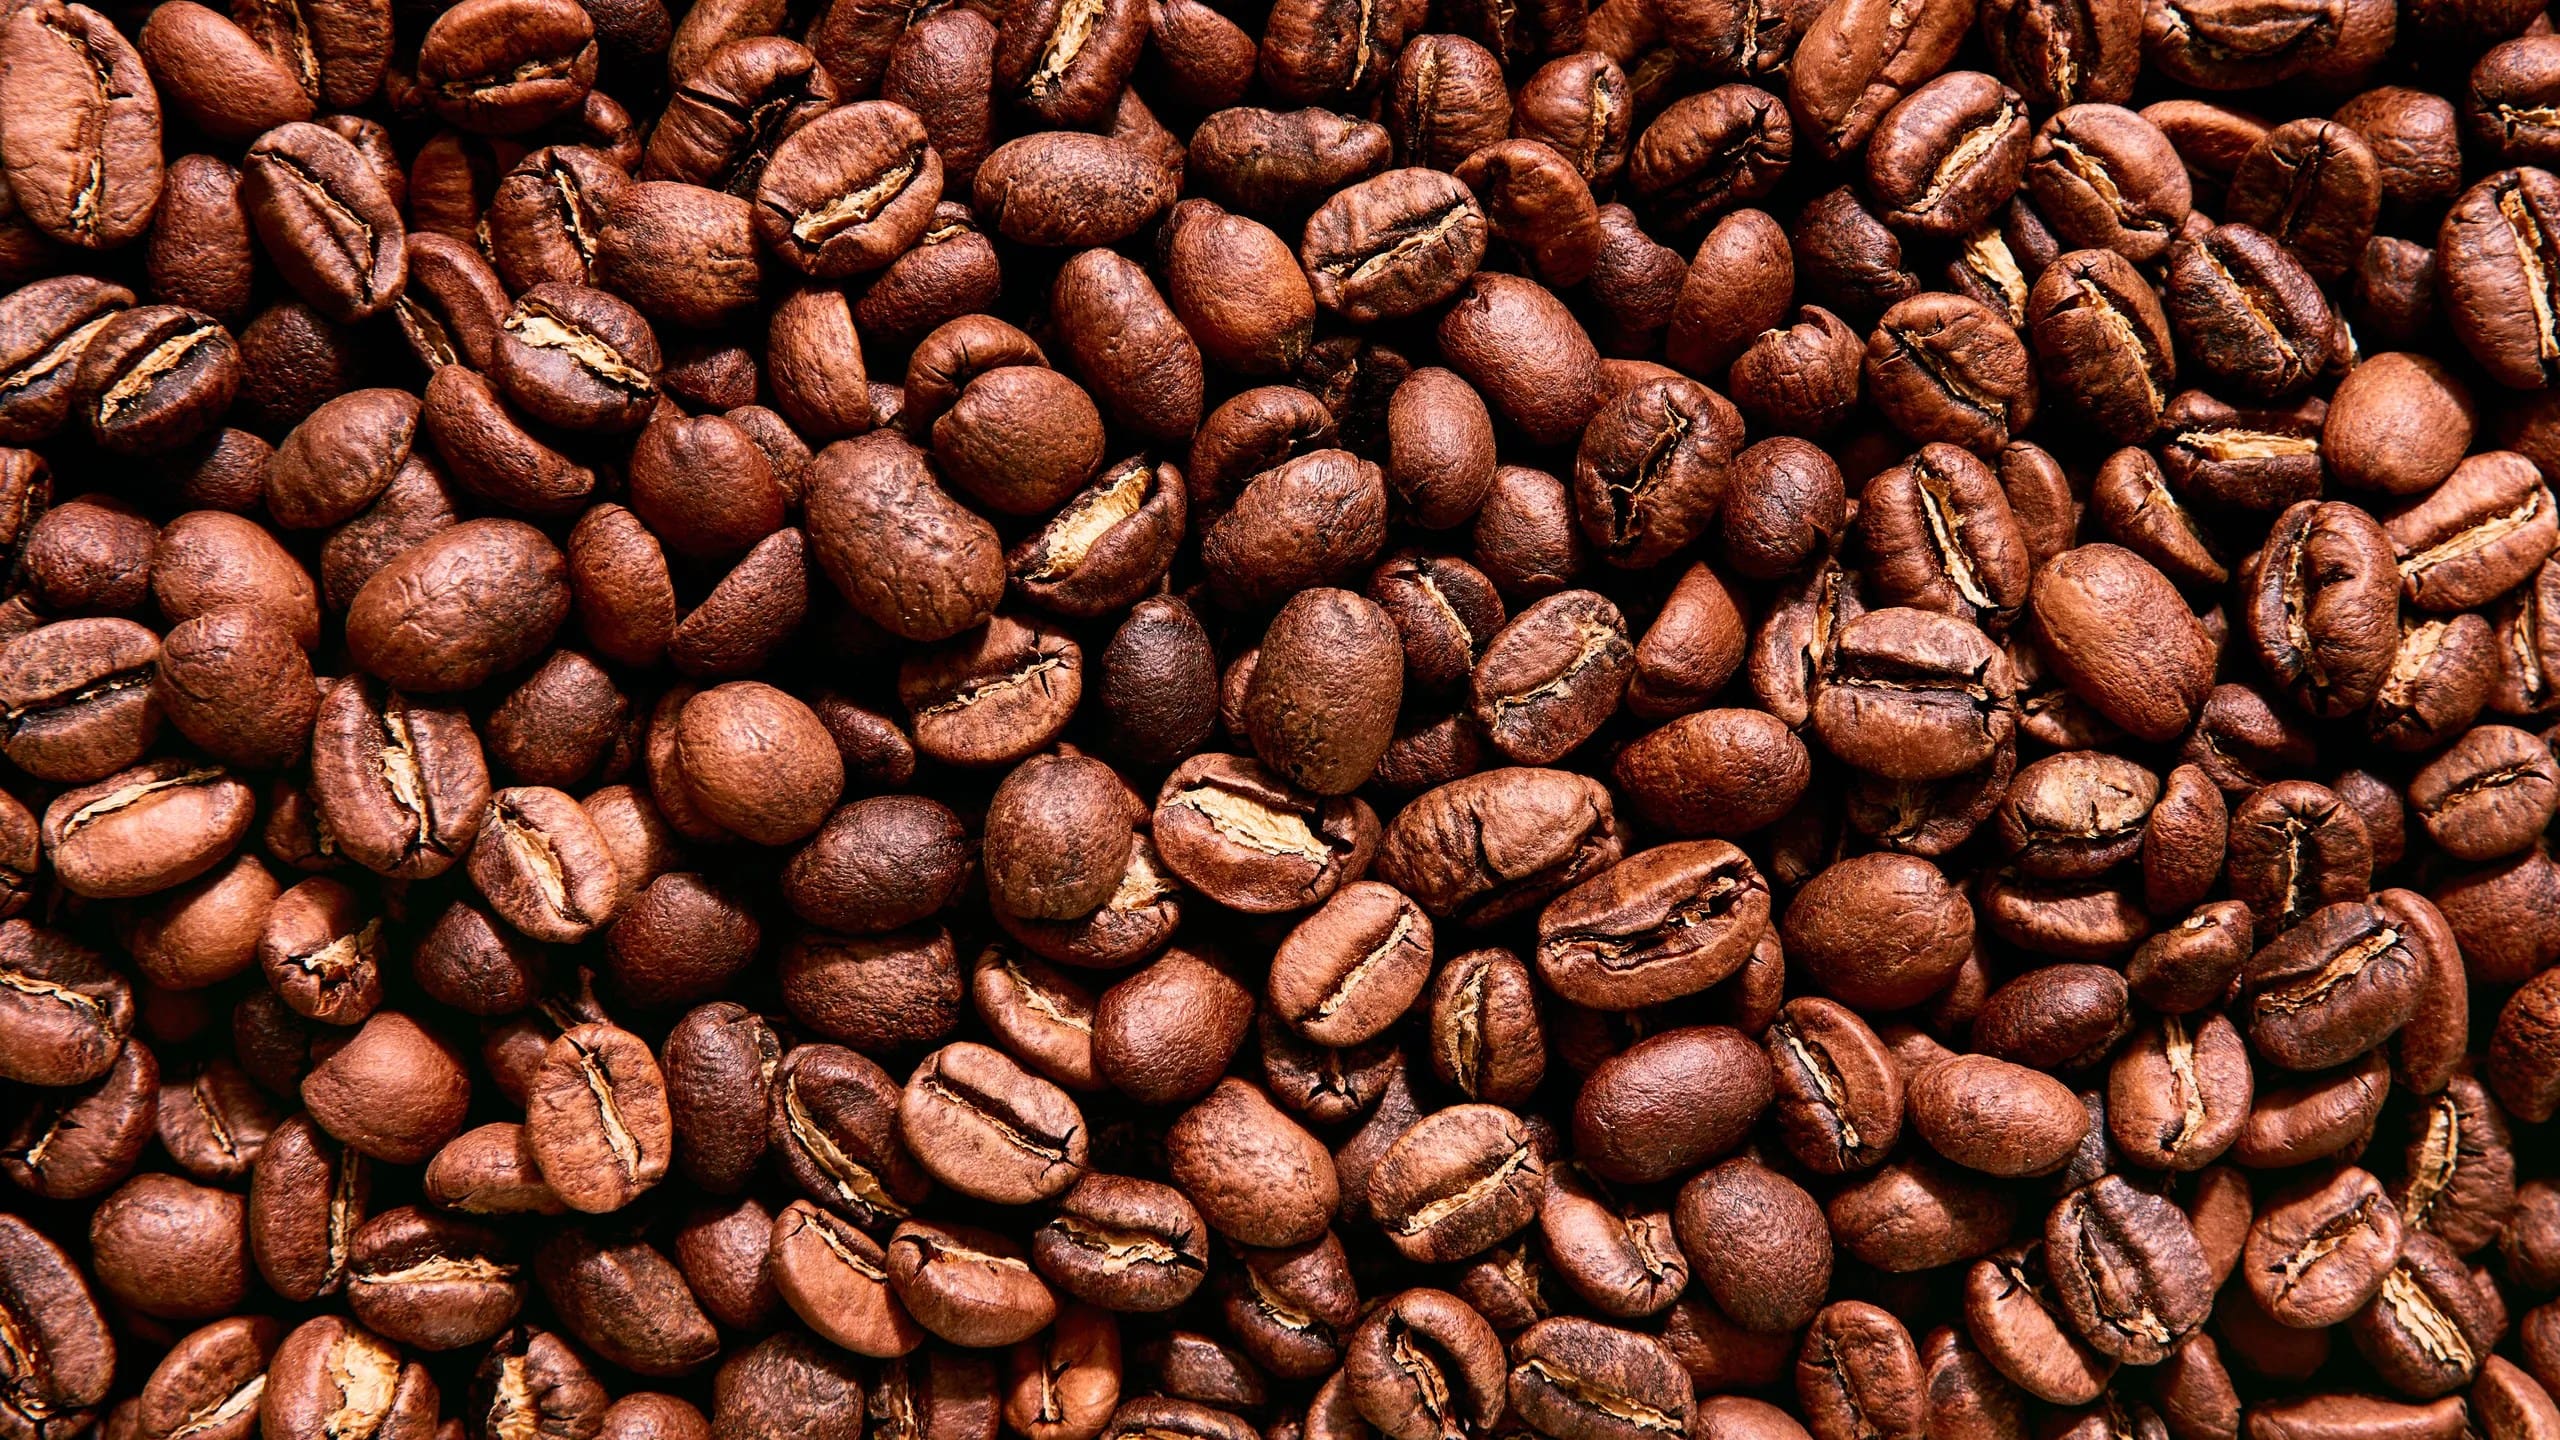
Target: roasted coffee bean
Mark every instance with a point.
(323, 216)
(1658, 925)
(1124, 1244)
(86, 167)
(2320, 1252)
(1578, 1380)
(2477, 535)
(2329, 989)
(1707, 152)
(1393, 245)
(502, 67)
(77, 1143)
(2011, 1313)
(2425, 1331)
(1840, 1094)
(155, 377)
(2495, 288)
(1622, 1128)
(1424, 1364)
(2247, 311)
(598, 1120)
(2127, 1269)
(982, 1126)
(426, 1280)
(329, 1372)
(1914, 695)
(1460, 1181)
(1760, 1244)
(833, 1118)
(1256, 1176)
(1855, 64)
(1856, 1372)
(1999, 1118)
(1500, 842)
(2179, 1094)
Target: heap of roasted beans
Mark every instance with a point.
(1279, 720)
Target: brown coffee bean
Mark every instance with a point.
(1579, 1380)
(85, 168)
(502, 67)
(597, 1118)
(1856, 1372)
(1624, 1126)
(1460, 1181)
(1996, 1117)
(331, 1371)
(1424, 1360)
(2127, 1270)
(1256, 1176)
(323, 216)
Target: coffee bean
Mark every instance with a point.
(530, 1378)
(1577, 1380)
(1256, 1175)
(423, 1279)
(1424, 1362)
(502, 67)
(1996, 1117)
(2127, 1270)
(88, 151)
(598, 1119)
(1858, 1373)
(2424, 1331)
(329, 1372)
(2247, 311)
(323, 216)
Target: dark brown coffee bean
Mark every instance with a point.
(1622, 1127)
(323, 216)
(598, 1119)
(2480, 533)
(1856, 1373)
(1460, 1181)
(1759, 1244)
(1579, 1380)
(80, 698)
(1854, 65)
(2127, 1270)
(983, 1126)
(1652, 466)
(1393, 245)
(2329, 989)
(85, 168)
(426, 1280)
(2011, 1313)
(2425, 1331)
(2320, 1252)
(1658, 925)
(1499, 843)
(1251, 841)
(502, 67)
(1256, 1176)
(331, 1372)
(1423, 1364)
(79, 1142)
(1123, 1244)
(155, 377)
(2178, 1095)
(478, 598)
(2248, 313)
(1996, 1117)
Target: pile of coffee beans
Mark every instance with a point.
(1279, 720)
